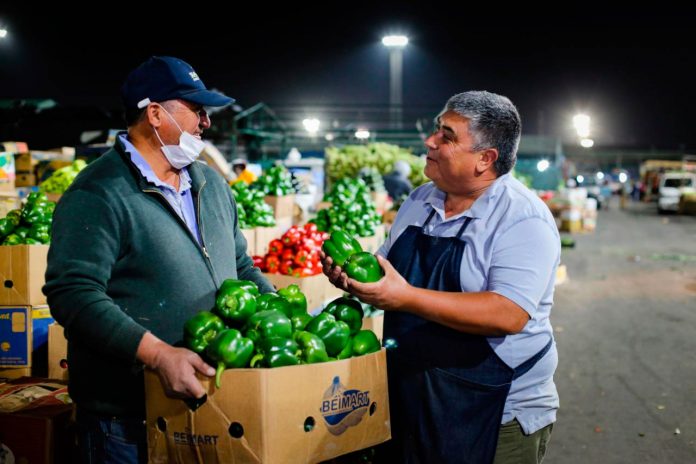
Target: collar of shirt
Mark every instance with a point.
(147, 172)
(481, 208)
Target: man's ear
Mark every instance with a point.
(487, 159)
(154, 115)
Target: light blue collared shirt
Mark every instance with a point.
(181, 201)
(513, 249)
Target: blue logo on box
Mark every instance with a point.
(342, 408)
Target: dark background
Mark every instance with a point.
(631, 69)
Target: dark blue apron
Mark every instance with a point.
(447, 389)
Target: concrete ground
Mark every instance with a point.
(625, 324)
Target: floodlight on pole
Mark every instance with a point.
(311, 125)
(362, 134)
(395, 44)
(3, 33)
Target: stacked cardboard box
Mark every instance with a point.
(24, 316)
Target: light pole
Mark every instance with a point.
(395, 44)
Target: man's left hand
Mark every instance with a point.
(389, 293)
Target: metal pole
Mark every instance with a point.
(395, 97)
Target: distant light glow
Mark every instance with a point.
(587, 143)
(543, 165)
(3, 33)
(600, 175)
(581, 179)
(311, 125)
(395, 40)
(623, 177)
(362, 134)
(329, 137)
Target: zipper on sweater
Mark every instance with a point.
(201, 246)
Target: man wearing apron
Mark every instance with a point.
(468, 288)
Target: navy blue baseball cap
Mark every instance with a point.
(162, 78)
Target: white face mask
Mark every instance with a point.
(188, 150)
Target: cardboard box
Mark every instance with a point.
(7, 171)
(9, 200)
(283, 207)
(35, 424)
(264, 235)
(316, 288)
(294, 414)
(25, 179)
(24, 337)
(24, 162)
(381, 199)
(250, 236)
(22, 273)
(373, 243)
(14, 147)
(57, 352)
(375, 324)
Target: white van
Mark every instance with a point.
(672, 185)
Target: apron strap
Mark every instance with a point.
(528, 364)
(430, 216)
(467, 220)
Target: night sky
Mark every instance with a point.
(633, 71)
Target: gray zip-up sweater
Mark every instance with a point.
(122, 262)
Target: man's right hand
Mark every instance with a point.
(176, 367)
(334, 272)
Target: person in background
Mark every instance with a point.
(239, 166)
(141, 241)
(396, 182)
(470, 265)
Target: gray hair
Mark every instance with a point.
(493, 123)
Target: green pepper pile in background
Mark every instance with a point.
(246, 329)
(29, 226)
(346, 252)
(61, 179)
(347, 161)
(352, 209)
(252, 211)
(276, 180)
(373, 179)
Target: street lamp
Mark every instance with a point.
(311, 125)
(362, 134)
(395, 44)
(3, 33)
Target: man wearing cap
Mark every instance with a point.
(140, 243)
(239, 166)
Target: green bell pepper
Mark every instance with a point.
(300, 321)
(365, 342)
(340, 246)
(268, 324)
(297, 299)
(363, 267)
(347, 310)
(201, 329)
(236, 301)
(276, 352)
(280, 305)
(6, 227)
(229, 349)
(335, 334)
(312, 348)
(347, 351)
(263, 300)
(40, 232)
(13, 239)
(14, 216)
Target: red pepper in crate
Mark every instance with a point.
(287, 255)
(286, 267)
(307, 272)
(275, 247)
(292, 236)
(310, 228)
(301, 257)
(260, 262)
(272, 264)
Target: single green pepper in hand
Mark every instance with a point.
(229, 349)
(340, 246)
(363, 267)
(201, 329)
